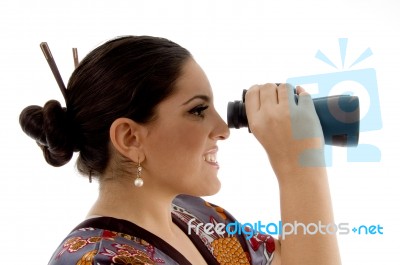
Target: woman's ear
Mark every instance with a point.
(125, 135)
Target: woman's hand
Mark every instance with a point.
(290, 133)
(292, 136)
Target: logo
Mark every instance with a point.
(349, 81)
(248, 230)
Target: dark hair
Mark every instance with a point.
(125, 77)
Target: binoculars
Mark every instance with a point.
(339, 117)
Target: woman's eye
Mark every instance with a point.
(198, 111)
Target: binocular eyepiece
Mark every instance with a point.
(339, 117)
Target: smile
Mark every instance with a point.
(211, 157)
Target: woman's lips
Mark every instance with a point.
(211, 157)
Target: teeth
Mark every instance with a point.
(210, 158)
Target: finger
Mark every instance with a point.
(286, 94)
(304, 97)
(268, 95)
(300, 90)
(252, 101)
(305, 100)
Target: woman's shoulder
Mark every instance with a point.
(91, 243)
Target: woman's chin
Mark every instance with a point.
(212, 188)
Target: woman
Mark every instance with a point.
(139, 110)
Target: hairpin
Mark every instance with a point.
(53, 66)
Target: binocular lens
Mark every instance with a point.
(237, 117)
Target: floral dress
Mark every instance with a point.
(108, 241)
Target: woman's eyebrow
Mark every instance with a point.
(203, 97)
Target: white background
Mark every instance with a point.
(238, 43)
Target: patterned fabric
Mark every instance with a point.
(108, 241)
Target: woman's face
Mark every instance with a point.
(181, 144)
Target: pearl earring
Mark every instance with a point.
(138, 180)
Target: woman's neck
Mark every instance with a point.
(145, 206)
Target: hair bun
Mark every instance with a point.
(49, 127)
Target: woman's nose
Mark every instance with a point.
(221, 131)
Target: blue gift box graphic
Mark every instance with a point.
(366, 81)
